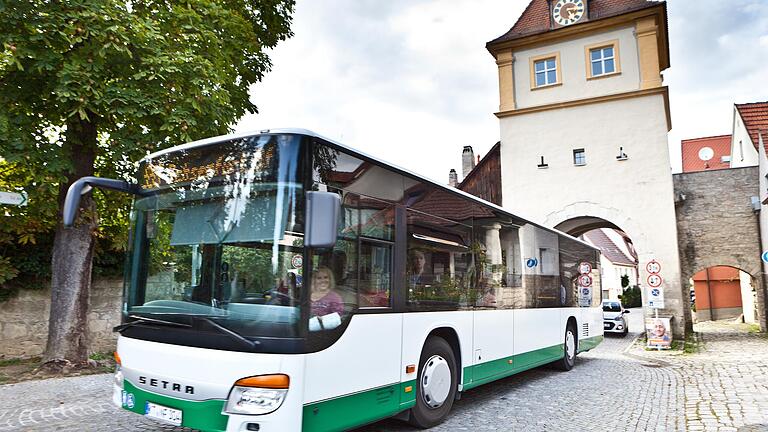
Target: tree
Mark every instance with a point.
(87, 86)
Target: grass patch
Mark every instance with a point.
(691, 345)
(16, 370)
(12, 362)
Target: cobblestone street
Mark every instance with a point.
(615, 387)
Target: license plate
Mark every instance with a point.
(159, 412)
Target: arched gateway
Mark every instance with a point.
(584, 119)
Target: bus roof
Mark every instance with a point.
(306, 132)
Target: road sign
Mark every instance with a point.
(585, 280)
(653, 267)
(655, 280)
(655, 296)
(765, 256)
(585, 268)
(12, 198)
(532, 262)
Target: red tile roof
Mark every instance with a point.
(755, 117)
(608, 247)
(721, 145)
(535, 19)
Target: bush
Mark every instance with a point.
(632, 297)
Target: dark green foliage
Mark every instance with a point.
(632, 297)
(146, 75)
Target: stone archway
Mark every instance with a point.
(717, 225)
(579, 217)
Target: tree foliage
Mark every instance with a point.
(89, 86)
(148, 74)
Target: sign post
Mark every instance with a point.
(12, 198)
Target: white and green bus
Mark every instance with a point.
(280, 281)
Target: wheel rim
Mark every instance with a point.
(435, 381)
(570, 345)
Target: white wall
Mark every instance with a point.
(574, 71)
(743, 151)
(636, 194)
(763, 195)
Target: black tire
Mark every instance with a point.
(569, 352)
(626, 331)
(436, 354)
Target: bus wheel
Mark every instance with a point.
(569, 350)
(436, 386)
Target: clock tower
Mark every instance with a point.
(584, 117)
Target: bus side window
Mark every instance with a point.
(375, 274)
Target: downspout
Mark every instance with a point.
(761, 309)
(709, 294)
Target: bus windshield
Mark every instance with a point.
(217, 238)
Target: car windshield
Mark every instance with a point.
(611, 307)
(218, 237)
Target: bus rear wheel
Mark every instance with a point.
(570, 345)
(436, 385)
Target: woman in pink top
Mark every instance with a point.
(324, 299)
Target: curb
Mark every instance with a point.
(654, 362)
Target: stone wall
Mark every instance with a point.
(24, 320)
(717, 226)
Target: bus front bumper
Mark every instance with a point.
(171, 395)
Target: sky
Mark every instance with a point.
(410, 81)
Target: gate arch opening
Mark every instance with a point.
(724, 292)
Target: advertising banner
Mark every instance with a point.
(659, 333)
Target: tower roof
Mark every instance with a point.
(535, 19)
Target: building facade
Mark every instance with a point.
(584, 117)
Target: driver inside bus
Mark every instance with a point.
(325, 300)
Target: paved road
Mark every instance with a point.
(723, 388)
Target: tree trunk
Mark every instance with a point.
(72, 257)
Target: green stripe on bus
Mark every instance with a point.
(496, 369)
(589, 343)
(201, 415)
(359, 408)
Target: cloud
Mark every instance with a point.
(410, 81)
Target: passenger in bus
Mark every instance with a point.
(325, 300)
(417, 275)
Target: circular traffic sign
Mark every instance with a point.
(585, 280)
(297, 261)
(653, 267)
(585, 268)
(655, 292)
(654, 280)
(765, 257)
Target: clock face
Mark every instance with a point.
(567, 12)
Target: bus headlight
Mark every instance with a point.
(257, 395)
(119, 377)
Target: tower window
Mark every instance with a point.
(602, 59)
(579, 157)
(545, 70)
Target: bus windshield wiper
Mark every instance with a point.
(146, 320)
(234, 335)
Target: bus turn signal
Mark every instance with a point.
(278, 381)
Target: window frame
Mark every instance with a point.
(558, 70)
(581, 151)
(601, 46)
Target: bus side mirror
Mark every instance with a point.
(323, 210)
(83, 186)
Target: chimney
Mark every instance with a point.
(453, 178)
(467, 160)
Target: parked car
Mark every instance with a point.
(614, 319)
